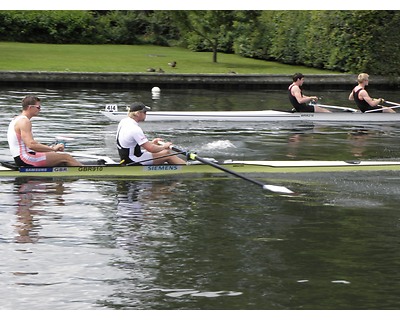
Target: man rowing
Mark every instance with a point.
(299, 101)
(133, 145)
(25, 150)
(362, 99)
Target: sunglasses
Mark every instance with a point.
(37, 107)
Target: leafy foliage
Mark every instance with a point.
(346, 41)
(207, 30)
(48, 27)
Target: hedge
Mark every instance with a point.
(347, 41)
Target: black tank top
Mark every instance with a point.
(361, 104)
(300, 107)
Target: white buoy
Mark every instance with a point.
(155, 93)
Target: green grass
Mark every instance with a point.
(129, 58)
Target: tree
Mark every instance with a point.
(206, 30)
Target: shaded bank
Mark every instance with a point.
(200, 81)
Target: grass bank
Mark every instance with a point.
(130, 58)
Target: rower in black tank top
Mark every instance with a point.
(362, 104)
(300, 107)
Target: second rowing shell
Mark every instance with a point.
(259, 116)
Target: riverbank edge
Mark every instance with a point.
(200, 81)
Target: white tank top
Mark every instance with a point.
(15, 142)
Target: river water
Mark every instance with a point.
(203, 243)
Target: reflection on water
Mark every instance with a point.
(201, 243)
(32, 195)
(359, 142)
(139, 209)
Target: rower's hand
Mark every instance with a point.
(158, 141)
(161, 142)
(58, 147)
(167, 145)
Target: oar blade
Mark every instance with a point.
(277, 189)
(272, 188)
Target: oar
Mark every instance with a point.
(336, 107)
(193, 156)
(108, 160)
(63, 139)
(395, 105)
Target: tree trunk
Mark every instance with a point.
(215, 46)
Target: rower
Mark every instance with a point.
(133, 145)
(298, 100)
(362, 99)
(25, 150)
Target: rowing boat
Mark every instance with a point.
(259, 116)
(193, 168)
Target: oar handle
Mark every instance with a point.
(107, 160)
(194, 156)
(383, 108)
(336, 107)
(393, 103)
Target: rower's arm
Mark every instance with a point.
(25, 129)
(302, 99)
(154, 148)
(372, 102)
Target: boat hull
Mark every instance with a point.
(259, 116)
(103, 171)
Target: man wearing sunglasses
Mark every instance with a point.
(25, 150)
(133, 145)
